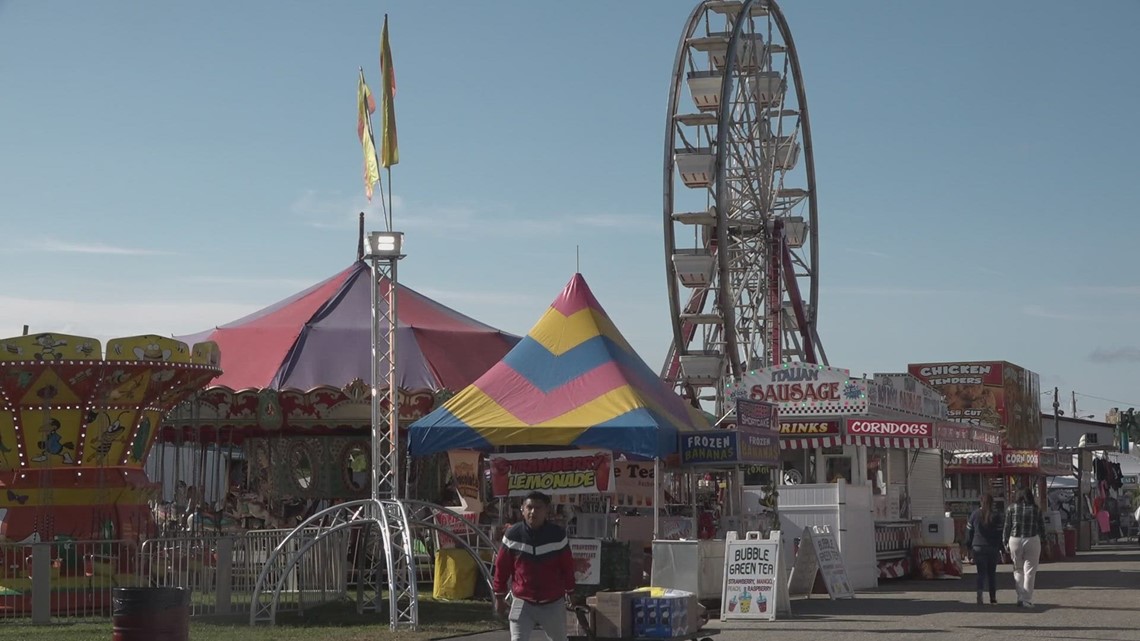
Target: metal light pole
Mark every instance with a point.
(1056, 420)
(384, 252)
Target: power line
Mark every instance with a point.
(1132, 403)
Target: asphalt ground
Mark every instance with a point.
(1094, 597)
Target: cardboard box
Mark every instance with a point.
(574, 626)
(613, 613)
(666, 617)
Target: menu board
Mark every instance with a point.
(751, 570)
(831, 564)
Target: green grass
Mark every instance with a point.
(339, 621)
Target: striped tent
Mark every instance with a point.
(572, 381)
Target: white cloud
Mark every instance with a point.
(113, 319)
(457, 298)
(888, 291)
(66, 247)
(335, 211)
(866, 252)
(1037, 311)
(1116, 355)
(291, 284)
(1105, 290)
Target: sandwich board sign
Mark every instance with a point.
(818, 553)
(752, 586)
(830, 561)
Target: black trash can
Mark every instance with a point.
(150, 614)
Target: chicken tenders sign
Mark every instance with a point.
(568, 472)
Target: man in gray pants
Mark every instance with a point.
(535, 565)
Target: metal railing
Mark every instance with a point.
(44, 583)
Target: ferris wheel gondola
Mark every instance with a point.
(740, 214)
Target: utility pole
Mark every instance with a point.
(1057, 419)
(1074, 405)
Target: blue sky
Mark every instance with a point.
(165, 167)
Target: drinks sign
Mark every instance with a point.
(567, 472)
(750, 585)
(809, 428)
(804, 389)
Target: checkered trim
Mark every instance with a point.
(808, 443)
(909, 443)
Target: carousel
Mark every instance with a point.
(285, 431)
(77, 425)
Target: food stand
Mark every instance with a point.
(696, 563)
(573, 412)
(858, 455)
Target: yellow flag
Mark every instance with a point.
(389, 149)
(365, 106)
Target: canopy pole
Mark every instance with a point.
(693, 499)
(656, 496)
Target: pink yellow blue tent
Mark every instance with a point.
(572, 381)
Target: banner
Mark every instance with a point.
(587, 555)
(565, 472)
(750, 586)
(465, 474)
(907, 394)
(633, 481)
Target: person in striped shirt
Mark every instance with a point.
(1023, 530)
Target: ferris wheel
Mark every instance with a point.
(741, 225)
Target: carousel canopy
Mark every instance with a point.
(572, 381)
(323, 337)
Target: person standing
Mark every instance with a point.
(983, 540)
(1024, 527)
(535, 566)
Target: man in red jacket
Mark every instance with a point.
(534, 564)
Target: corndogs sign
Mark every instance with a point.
(568, 472)
(918, 429)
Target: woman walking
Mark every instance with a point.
(1024, 527)
(983, 539)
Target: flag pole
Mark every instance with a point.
(389, 208)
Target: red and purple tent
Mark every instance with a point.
(322, 337)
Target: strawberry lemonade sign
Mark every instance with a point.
(568, 472)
